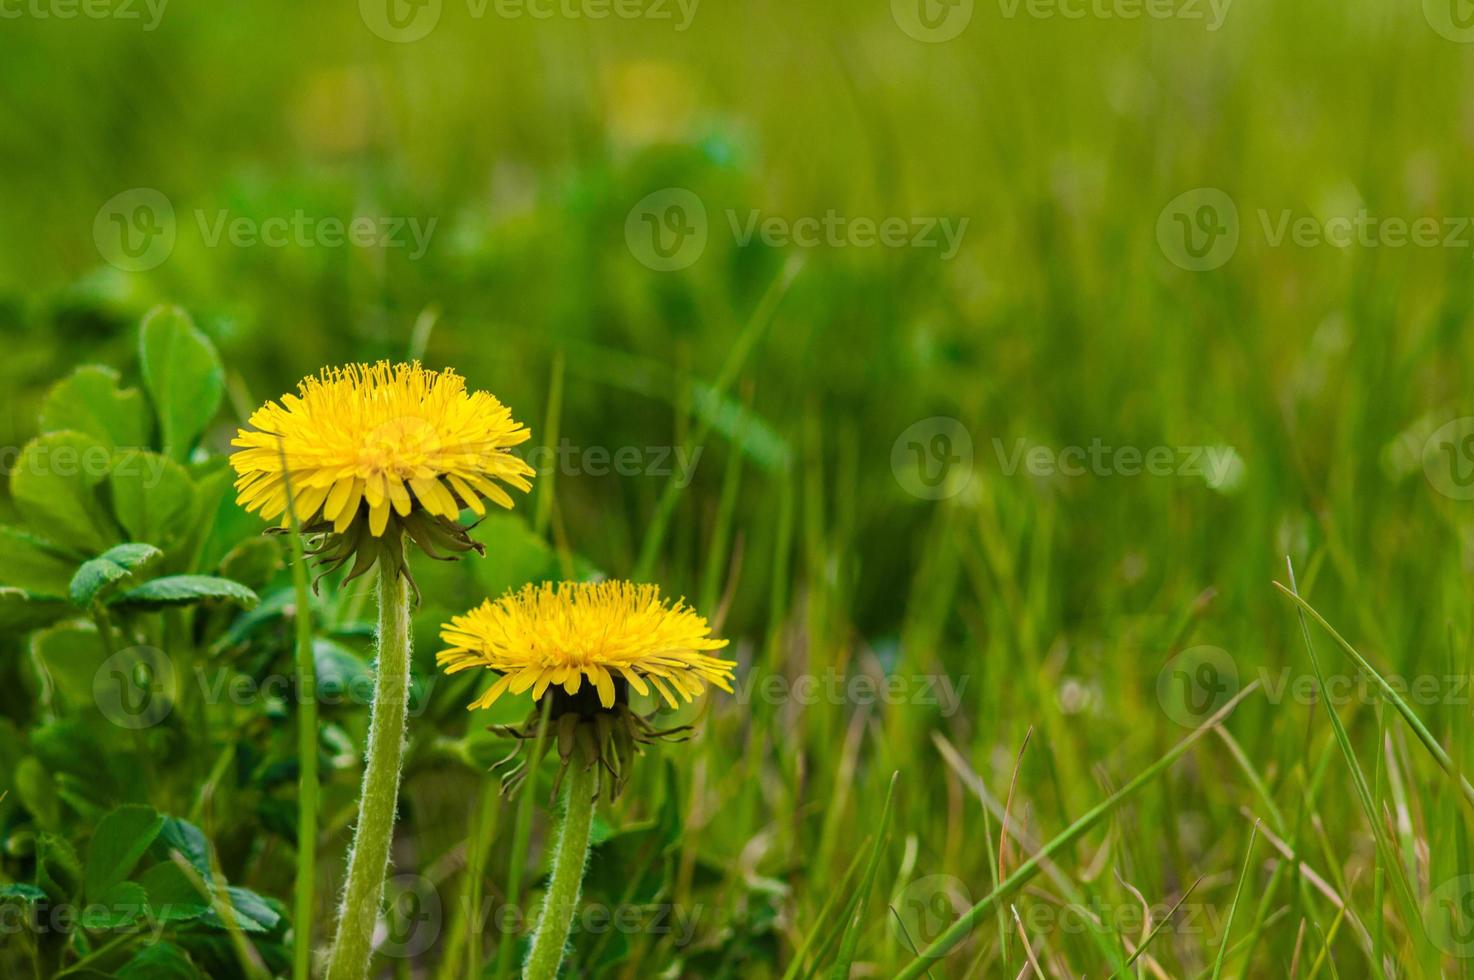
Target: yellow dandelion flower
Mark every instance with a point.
(375, 450)
(606, 635)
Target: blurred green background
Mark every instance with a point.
(1065, 316)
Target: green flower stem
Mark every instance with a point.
(567, 878)
(369, 859)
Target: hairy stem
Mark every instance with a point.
(567, 877)
(369, 859)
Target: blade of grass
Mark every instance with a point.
(552, 422)
(1233, 907)
(1388, 691)
(906, 935)
(305, 896)
(671, 493)
(851, 941)
(993, 807)
(826, 912)
(1026, 871)
(1358, 778)
(1158, 928)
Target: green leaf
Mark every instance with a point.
(36, 789)
(121, 904)
(58, 871)
(161, 961)
(514, 555)
(252, 912)
(21, 610)
(254, 562)
(54, 484)
(179, 590)
(172, 894)
(184, 837)
(101, 575)
(340, 672)
(183, 375)
(90, 401)
(153, 496)
(32, 563)
(120, 840)
(71, 654)
(217, 524)
(17, 892)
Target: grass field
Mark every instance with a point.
(992, 375)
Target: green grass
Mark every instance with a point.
(1075, 606)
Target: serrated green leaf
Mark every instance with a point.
(101, 575)
(171, 893)
(21, 610)
(54, 484)
(179, 590)
(153, 496)
(120, 904)
(71, 654)
(121, 838)
(183, 375)
(161, 961)
(90, 401)
(184, 837)
(58, 870)
(33, 563)
(254, 562)
(253, 913)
